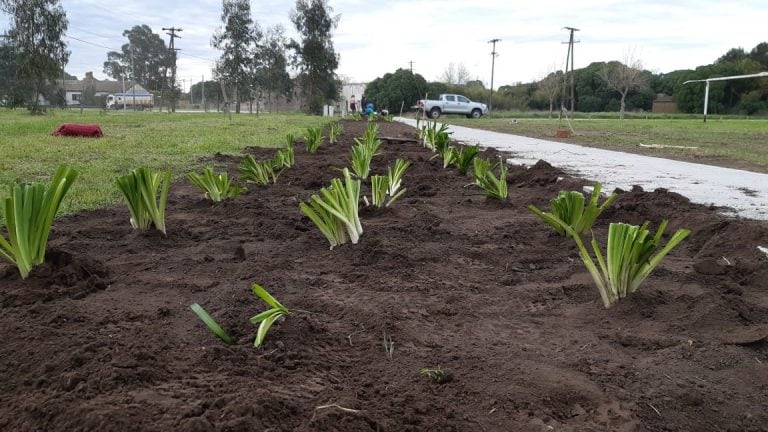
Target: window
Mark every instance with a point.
(450, 99)
(75, 97)
(462, 99)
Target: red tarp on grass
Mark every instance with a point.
(73, 129)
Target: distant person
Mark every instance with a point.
(369, 110)
(363, 103)
(352, 104)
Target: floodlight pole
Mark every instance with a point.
(733, 77)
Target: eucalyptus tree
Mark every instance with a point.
(239, 40)
(36, 32)
(144, 59)
(314, 55)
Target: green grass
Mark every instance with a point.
(157, 140)
(729, 142)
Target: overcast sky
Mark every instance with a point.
(376, 37)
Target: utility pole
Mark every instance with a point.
(411, 63)
(202, 92)
(567, 58)
(171, 31)
(493, 65)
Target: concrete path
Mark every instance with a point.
(743, 191)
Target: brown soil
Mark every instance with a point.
(101, 337)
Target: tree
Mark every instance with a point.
(455, 73)
(144, 59)
(314, 54)
(623, 77)
(393, 90)
(238, 41)
(273, 75)
(549, 88)
(36, 34)
(212, 92)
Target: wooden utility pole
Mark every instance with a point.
(171, 31)
(493, 65)
(411, 64)
(568, 58)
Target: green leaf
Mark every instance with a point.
(211, 323)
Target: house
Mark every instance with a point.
(91, 91)
(347, 91)
(664, 104)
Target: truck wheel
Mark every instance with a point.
(476, 113)
(434, 113)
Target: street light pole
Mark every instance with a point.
(493, 65)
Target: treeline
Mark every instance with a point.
(594, 94)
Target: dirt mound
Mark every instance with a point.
(101, 337)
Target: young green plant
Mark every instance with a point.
(29, 210)
(495, 187)
(217, 187)
(395, 178)
(378, 190)
(284, 158)
(314, 139)
(334, 130)
(569, 207)
(146, 193)
(436, 374)
(258, 172)
(268, 317)
(447, 153)
(212, 324)
(336, 208)
(629, 257)
(464, 156)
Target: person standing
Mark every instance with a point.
(363, 103)
(352, 104)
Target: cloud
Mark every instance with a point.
(376, 37)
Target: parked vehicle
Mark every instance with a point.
(128, 100)
(452, 104)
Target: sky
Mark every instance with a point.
(377, 37)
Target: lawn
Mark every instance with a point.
(159, 140)
(734, 143)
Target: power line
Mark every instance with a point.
(91, 43)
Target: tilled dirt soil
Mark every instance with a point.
(101, 337)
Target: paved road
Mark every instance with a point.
(743, 191)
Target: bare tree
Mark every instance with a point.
(549, 88)
(624, 77)
(455, 73)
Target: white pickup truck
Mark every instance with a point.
(452, 104)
